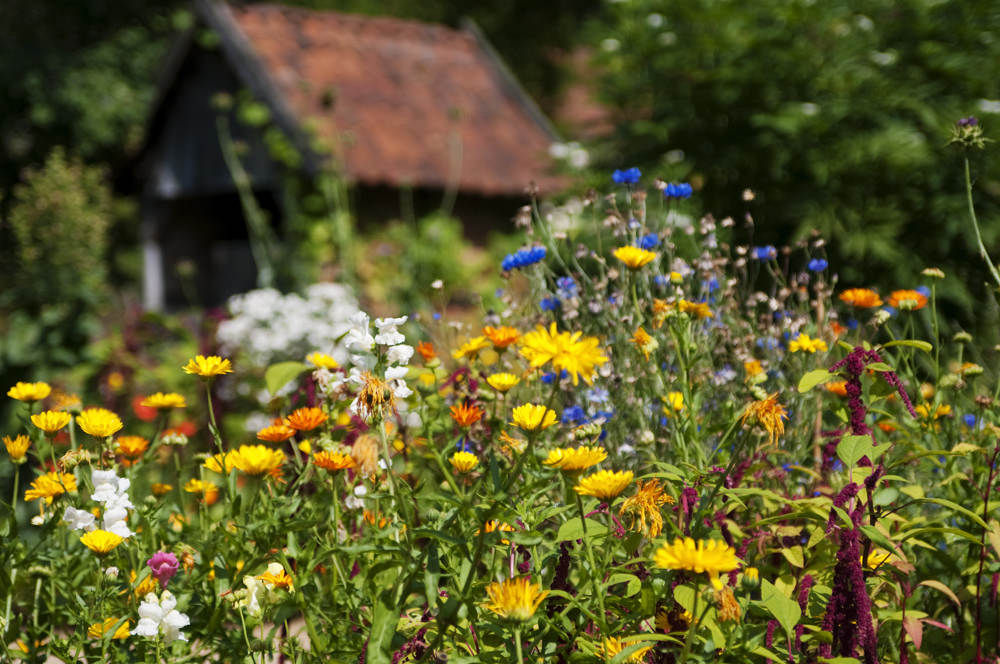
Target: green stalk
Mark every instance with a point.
(603, 623)
(689, 639)
(517, 642)
(975, 225)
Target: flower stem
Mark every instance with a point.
(594, 578)
(975, 225)
(517, 642)
(693, 628)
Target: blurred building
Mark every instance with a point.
(406, 111)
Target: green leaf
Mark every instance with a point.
(795, 555)
(872, 533)
(852, 448)
(958, 508)
(814, 378)
(634, 584)
(280, 374)
(912, 343)
(878, 366)
(573, 529)
(385, 616)
(784, 609)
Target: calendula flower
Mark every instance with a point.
(164, 401)
(728, 607)
(675, 620)
(838, 387)
(257, 460)
(907, 300)
(604, 484)
(64, 400)
(577, 356)
(502, 382)
(160, 489)
(426, 351)
(709, 556)
(276, 433)
(463, 462)
(277, 577)
(699, 310)
(673, 402)
(98, 630)
(645, 343)
(208, 491)
(17, 447)
(131, 447)
(570, 459)
(769, 414)
(804, 343)
(531, 417)
(306, 419)
(221, 463)
(333, 461)
(50, 485)
(498, 526)
(208, 367)
(611, 646)
(753, 368)
(634, 257)
(863, 298)
(515, 599)
(924, 410)
(99, 422)
(501, 337)
(465, 414)
(644, 507)
(322, 361)
(29, 392)
(101, 542)
(374, 397)
(471, 348)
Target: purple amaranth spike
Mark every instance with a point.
(769, 636)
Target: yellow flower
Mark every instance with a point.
(674, 401)
(101, 542)
(160, 489)
(729, 608)
(879, 557)
(208, 491)
(17, 447)
(164, 401)
(322, 361)
(579, 357)
(208, 367)
(51, 421)
(463, 462)
(769, 414)
(753, 368)
(257, 460)
(29, 391)
(634, 257)
(333, 461)
(604, 484)
(220, 463)
(863, 298)
(498, 526)
(99, 422)
(276, 433)
(804, 343)
(65, 401)
(611, 646)
(645, 506)
(502, 336)
(699, 310)
(566, 458)
(709, 556)
(515, 599)
(501, 382)
(374, 397)
(131, 447)
(531, 417)
(924, 410)
(98, 630)
(471, 347)
(645, 343)
(50, 485)
(277, 577)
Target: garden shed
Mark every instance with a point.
(401, 107)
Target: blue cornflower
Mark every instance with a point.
(969, 419)
(550, 303)
(628, 176)
(522, 258)
(890, 310)
(649, 241)
(923, 290)
(436, 315)
(597, 395)
(682, 190)
(462, 445)
(660, 281)
(818, 265)
(567, 287)
(852, 323)
(574, 415)
(711, 285)
(547, 378)
(767, 253)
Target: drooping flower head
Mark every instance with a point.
(164, 401)
(644, 342)
(769, 414)
(49, 486)
(532, 417)
(99, 422)
(29, 392)
(515, 599)
(570, 459)
(208, 367)
(644, 507)
(709, 556)
(634, 257)
(604, 484)
(164, 566)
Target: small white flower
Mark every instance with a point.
(159, 615)
(111, 572)
(399, 354)
(437, 284)
(78, 519)
(388, 335)
(396, 373)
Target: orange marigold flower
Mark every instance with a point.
(131, 447)
(466, 414)
(863, 298)
(160, 489)
(333, 461)
(502, 336)
(838, 387)
(426, 351)
(644, 342)
(837, 329)
(306, 419)
(907, 300)
(276, 433)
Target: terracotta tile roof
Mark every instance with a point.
(407, 103)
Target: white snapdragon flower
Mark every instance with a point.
(359, 338)
(112, 491)
(79, 519)
(158, 615)
(388, 335)
(399, 354)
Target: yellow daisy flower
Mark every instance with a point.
(51, 421)
(463, 462)
(101, 542)
(502, 382)
(29, 392)
(634, 257)
(208, 367)
(611, 646)
(333, 461)
(604, 484)
(577, 356)
(99, 422)
(710, 556)
(50, 485)
(804, 343)
(322, 361)
(257, 460)
(567, 458)
(769, 414)
(515, 599)
(531, 417)
(164, 401)
(17, 447)
(98, 630)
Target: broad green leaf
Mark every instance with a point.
(878, 366)
(873, 533)
(634, 584)
(385, 617)
(852, 448)
(948, 592)
(794, 555)
(280, 374)
(813, 378)
(958, 508)
(784, 609)
(573, 529)
(912, 343)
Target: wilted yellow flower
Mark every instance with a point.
(29, 391)
(101, 542)
(471, 348)
(256, 460)
(769, 414)
(501, 382)
(699, 310)
(463, 462)
(644, 507)
(515, 599)
(604, 484)
(17, 447)
(50, 485)
(570, 459)
(531, 417)
(99, 422)
(276, 433)
(365, 453)
(729, 608)
(634, 257)
(710, 556)
(160, 489)
(645, 343)
(804, 343)
(333, 461)
(50, 421)
(98, 630)
(164, 401)
(611, 646)
(306, 419)
(322, 361)
(208, 367)
(374, 397)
